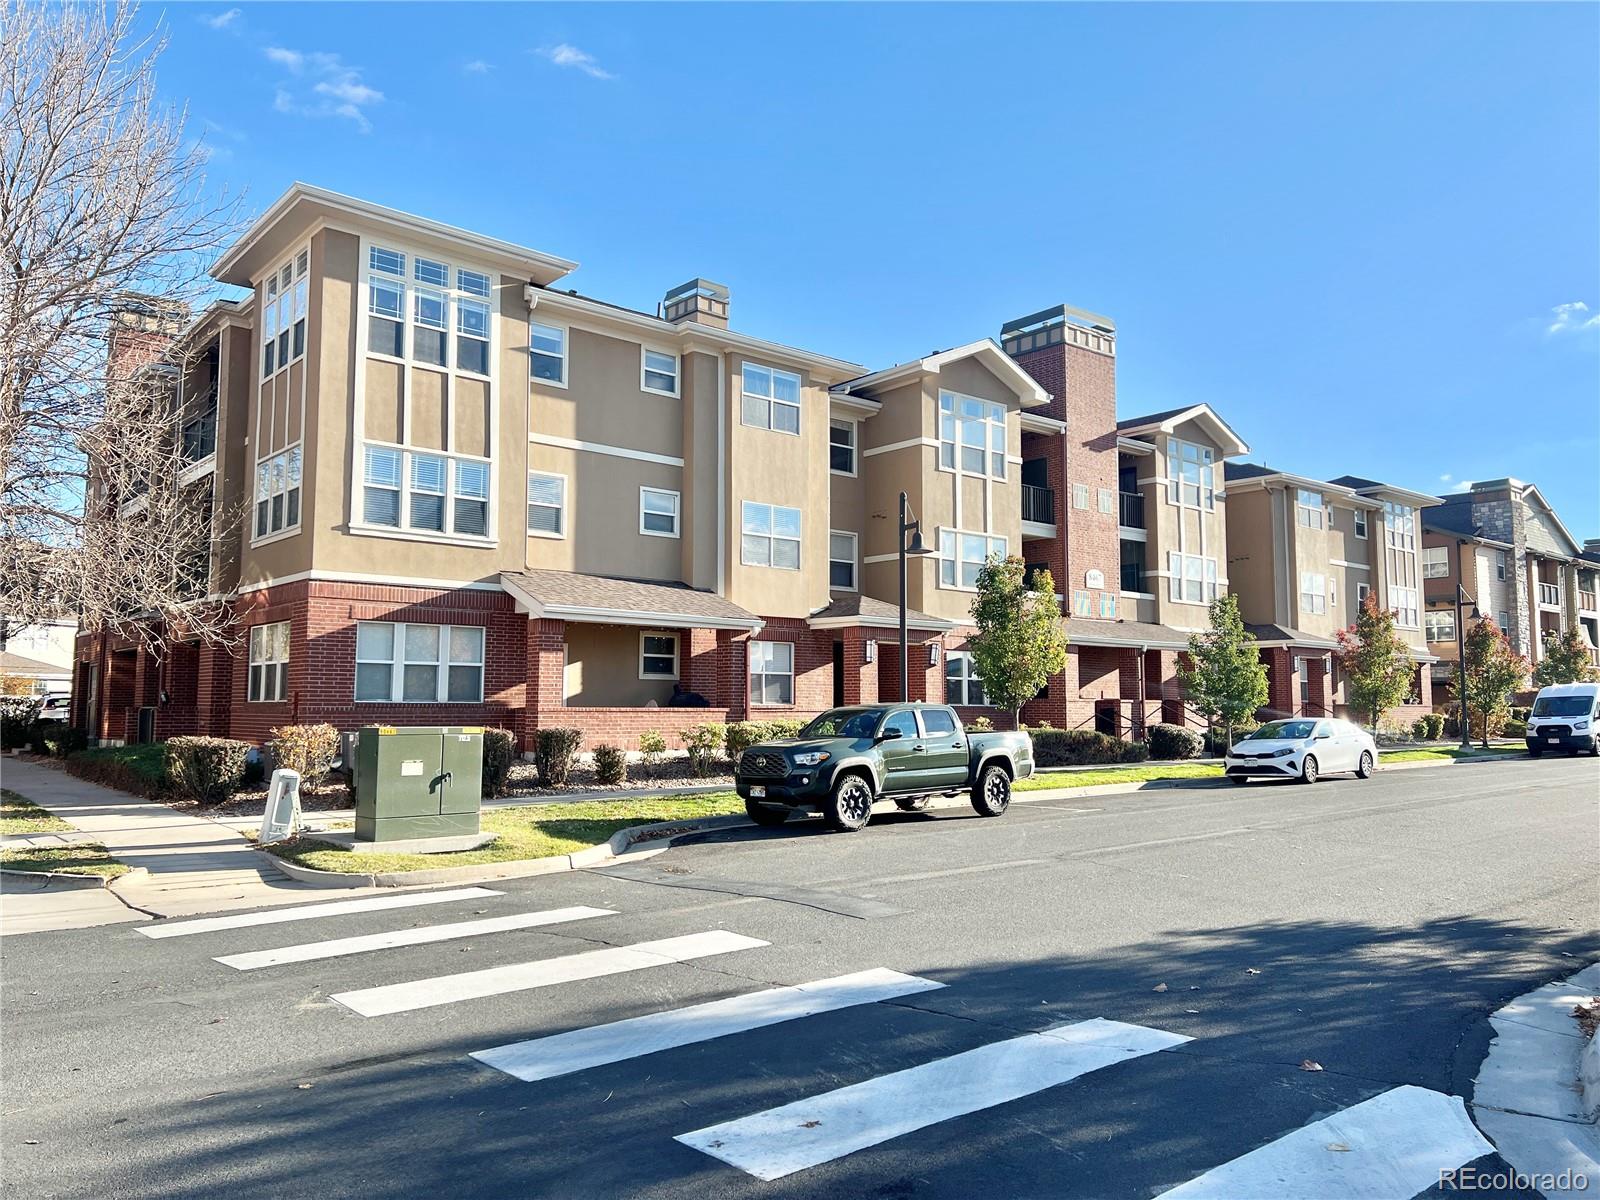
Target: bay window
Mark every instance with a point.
(424, 491)
(1190, 475)
(1191, 578)
(278, 492)
(436, 288)
(972, 435)
(418, 664)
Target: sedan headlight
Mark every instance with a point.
(811, 758)
(1284, 753)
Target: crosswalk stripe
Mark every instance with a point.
(597, 1045)
(338, 947)
(818, 1129)
(496, 981)
(1386, 1148)
(306, 912)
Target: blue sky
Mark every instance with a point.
(1368, 235)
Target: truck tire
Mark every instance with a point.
(991, 795)
(768, 815)
(849, 805)
(914, 803)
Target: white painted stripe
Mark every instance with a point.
(597, 1045)
(518, 977)
(549, 439)
(307, 912)
(1386, 1148)
(338, 947)
(781, 1141)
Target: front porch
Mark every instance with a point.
(1120, 678)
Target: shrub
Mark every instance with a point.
(141, 770)
(985, 725)
(1215, 741)
(652, 746)
(307, 749)
(781, 727)
(610, 765)
(61, 740)
(1517, 713)
(206, 770)
(1046, 725)
(739, 736)
(16, 720)
(702, 743)
(553, 750)
(1429, 727)
(1174, 741)
(1083, 747)
(499, 752)
(1514, 728)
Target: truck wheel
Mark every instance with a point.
(849, 806)
(769, 815)
(992, 793)
(1535, 751)
(914, 804)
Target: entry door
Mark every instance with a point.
(902, 756)
(838, 674)
(91, 706)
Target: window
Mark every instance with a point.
(547, 352)
(430, 312)
(1191, 579)
(937, 723)
(1313, 592)
(771, 672)
(1080, 495)
(770, 536)
(962, 555)
(903, 722)
(658, 656)
(1108, 606)
(283, 315)
(547, 505)
(418, 664)
(278, 493)
(1399, 527)
(1105, 499)
(842, 561)
(842, 447)
(972, 435)
(658, 371)
(1500, 567)
(658, 512)
(1435, 562)
(1189, 470)
(1363, 590)
(1404, 603)
(1361, 522)
(771, 399)
(424, 492)
(1081, 606)
(1505, 621)
(961, 682)
(269, 663)
(1308, 509)
(1440, 626)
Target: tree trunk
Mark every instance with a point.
(1016, 717)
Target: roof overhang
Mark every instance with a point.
(921, 621)
(534, 607)
(1039, 423)
(985, 350)
(1158, 638)
(1256, 483)
(304, 205)
(1130, 445)
(1229, 442)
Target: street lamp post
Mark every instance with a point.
(915, 549)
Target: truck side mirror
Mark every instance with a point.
(889, 735)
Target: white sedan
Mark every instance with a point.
(1304, 748)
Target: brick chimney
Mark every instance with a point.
(700, 301)
(142, 327)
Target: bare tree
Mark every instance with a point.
(107, 225)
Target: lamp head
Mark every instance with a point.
(917, 549)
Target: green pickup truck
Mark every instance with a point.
(847, 758)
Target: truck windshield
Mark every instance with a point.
(1562, 706)
(843, 722)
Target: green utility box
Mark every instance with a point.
(419, 782)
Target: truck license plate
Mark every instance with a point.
(1554, 741)
(758, 791)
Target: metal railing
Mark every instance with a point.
(1038, 504)
(1130, 509)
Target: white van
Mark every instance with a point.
(1563, 718)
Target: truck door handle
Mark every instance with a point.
(919, 749)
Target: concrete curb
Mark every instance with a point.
(68, 881)
(1589, 1078)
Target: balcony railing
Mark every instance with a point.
(1038, 504)
(1586, 601)
(1550, 593)
(1133, 577)
(1130, 509)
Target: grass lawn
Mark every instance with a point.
(86, 858)
(1441, 753)
(530, 831)
(18, 815)
(1144, 773)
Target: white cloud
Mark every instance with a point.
(1571, 318)
(566, 55)
(322, 85)
(1446, 478)
(478, 67)
(222, 20)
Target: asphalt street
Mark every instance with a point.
(1187, 955)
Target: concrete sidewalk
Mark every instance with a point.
(194, 865)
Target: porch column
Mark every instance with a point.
(546, 687)
(699, 669)
(214, 689)
(1425, 685)
(1130, 687)
(860, 676)
(1317, 699)
(1281, 695)
(733, 647)
(925, 678)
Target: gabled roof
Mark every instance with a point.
(18, 664)
(1352, 487)
(600, 600)
(985, 350)
(1229, 442)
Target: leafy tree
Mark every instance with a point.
(1493, 671)
(1376, 662)
(1566, 660)
(1225, 678)
(1020, 641)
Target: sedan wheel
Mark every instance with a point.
(992, 795)
(1308, 769)
(850, 806)
(1364, 768)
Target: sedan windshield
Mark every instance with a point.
(843, 722)
(1562, 706)
(1275, 730)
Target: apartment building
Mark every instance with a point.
(1305, 555)
(1503, 543)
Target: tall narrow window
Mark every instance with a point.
(427, 492)
(771, 672)
(472, 336)
(972, 435)
(472, 498)
(547, 503)
(269, 663)
(431, 314)
(842, 561)
(380, 493)
(1191, 474)
(547, 352)
(842, 447)
(386, 317)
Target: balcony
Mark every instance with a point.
(1130, 510)
(1038, 511)
(1586, 601)
(1550, 594)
